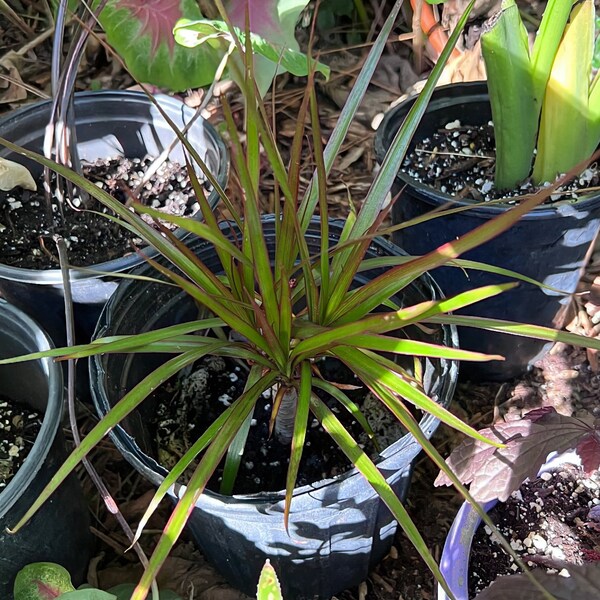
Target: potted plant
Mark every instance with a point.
(530, 483)
(280, 297)
(109, 124)
(32, 393)
(551, 243)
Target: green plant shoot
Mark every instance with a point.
(543, 103)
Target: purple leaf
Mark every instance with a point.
(594, 513)
(497, 472)
(584, 582)
(589, 452)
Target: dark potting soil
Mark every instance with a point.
(459, 160)
(26, 228)
(550, 522)
(19, 427)
(189, 403)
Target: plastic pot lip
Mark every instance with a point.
(454, 563)
(54, 408)
(461, 93)
(53, 277)
(407, 444)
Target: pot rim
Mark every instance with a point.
(53, 277)
(31, 332)
(473, 92)
(274, 500)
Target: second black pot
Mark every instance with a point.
(550, 244)
(59, 531)
(338, 528)
(108, 124)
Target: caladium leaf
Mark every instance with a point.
(141, 31)
(42, 581)
(216, 34)
(584, 582)
(497, 472)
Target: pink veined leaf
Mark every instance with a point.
(268, 18)
(260, 14)
(156, 17)
(497, 472)
(588, 450)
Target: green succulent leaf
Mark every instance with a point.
(268, 584)
(505, 48)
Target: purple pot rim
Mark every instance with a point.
(454, 563)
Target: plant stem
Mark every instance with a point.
(284, 423)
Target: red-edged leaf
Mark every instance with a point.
(583, 583)
(588, 450)
(497, 472)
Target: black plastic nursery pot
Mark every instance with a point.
(108, 124)
(550, 244)
(338, 528)
(59, 532)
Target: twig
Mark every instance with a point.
(109, 501)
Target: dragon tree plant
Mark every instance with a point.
(290, 309)
(545, 102)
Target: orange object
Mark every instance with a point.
(431, 27)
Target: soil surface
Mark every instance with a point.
(27, 227)
(551, 522)
(19, 427)
(460, 160)
(199, 397)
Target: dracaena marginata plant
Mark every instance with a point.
(545, 102)
(290, 309)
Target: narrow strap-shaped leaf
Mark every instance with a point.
(375, 292)
(365, 465)
(345, 118)
(549, 35)
(384, 322)
(408, 420)
(373, 366)
(121, 343)
(179, 468)
(299, 435)
(382, 184)
(202, 230)
(408, 347)
(130, 401)
(509, 327)
(212, 456)
(458, 263)
(236, 448)
(350, 406)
